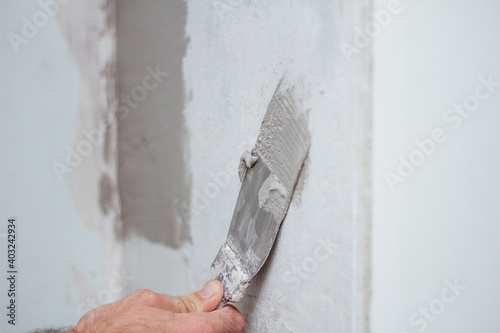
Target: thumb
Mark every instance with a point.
(205, 299)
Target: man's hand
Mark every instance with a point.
(147, 311)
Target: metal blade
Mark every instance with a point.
(253, 230)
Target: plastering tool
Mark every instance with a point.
(269, 174)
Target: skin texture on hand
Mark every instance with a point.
(147, 311)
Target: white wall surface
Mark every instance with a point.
(442, 222)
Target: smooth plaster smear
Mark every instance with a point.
(152, 172)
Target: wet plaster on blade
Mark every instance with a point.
(273, 197)
(283, 144)
(278, 144)
(152, 138)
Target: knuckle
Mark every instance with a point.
(89, 316)
(88, 321)
(145, 294)
(185, 304)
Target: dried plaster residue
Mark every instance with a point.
(228, 269)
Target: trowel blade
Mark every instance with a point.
(265, 195)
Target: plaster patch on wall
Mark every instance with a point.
(152, 150)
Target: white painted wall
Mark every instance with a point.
(442, 222)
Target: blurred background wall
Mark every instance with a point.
(438, 224)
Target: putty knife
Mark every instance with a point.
(269, 174)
